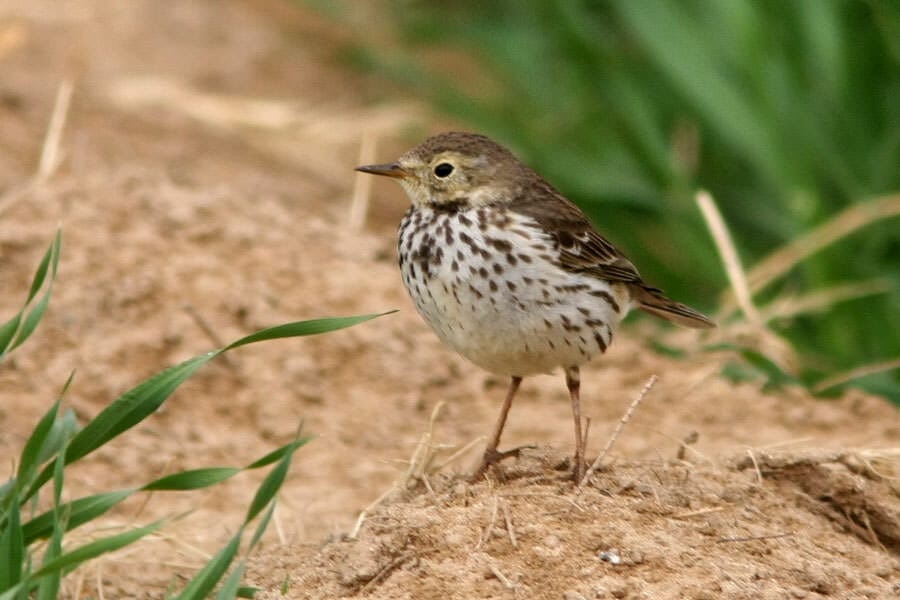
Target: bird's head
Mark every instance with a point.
(454, 168)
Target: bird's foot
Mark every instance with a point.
(492, 456)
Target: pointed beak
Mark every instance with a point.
(388, 170)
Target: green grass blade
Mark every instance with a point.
(31, 321)
(127, 411)
(48, 586)
(14, 332)
(192, 480)
(79, 511)
(29, 460)
(662, 26)
(261, 527)
(269, 487)
(51, 261)
(278, 453)
(17, 592)
(133, 407)
(232, 585)
(303, 328)
(72, 559)
(7, 331)
(205, 580)
(144, 399)
(64, 429)
(12, 549)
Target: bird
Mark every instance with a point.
(511, 274)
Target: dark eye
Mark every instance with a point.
(443, 170)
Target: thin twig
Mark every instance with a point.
(618, 430)
(754, 538)
(729, 255)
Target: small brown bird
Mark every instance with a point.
(508, 272)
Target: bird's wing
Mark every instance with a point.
(581, 248)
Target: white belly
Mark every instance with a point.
(478, 290)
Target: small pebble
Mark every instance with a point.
(611, 556)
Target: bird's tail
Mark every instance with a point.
(653, 301)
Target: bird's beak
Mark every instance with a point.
(388, 170)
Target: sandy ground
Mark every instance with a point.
(205, 179)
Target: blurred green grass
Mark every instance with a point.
(787, 112)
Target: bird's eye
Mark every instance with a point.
(443, 170)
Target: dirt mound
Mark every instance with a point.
(206, 183)
(802, 525)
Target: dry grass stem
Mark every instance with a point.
(384, 572)
(50, 152)
(279, 528)
(753, 538)
(759, 476)
(304, 134)
(79, 583)
(50, 155)
(419, 466)
(500, 577)
(362, 185)
(856, 373)
(510, 530)
(364, 513)
(821, 300)
(841, 225)
(99, 574)
(729, 255)
(489, 530)
(543, 495)
(422, 459)
(698, 513)
(459, 453)
(888, 458)
(618, 430)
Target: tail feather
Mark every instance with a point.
(653, 301)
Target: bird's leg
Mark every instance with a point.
(573, 382)
(491, 455)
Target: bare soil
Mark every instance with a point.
(205, 182)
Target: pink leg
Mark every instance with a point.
(573, 382)
(491, 455)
